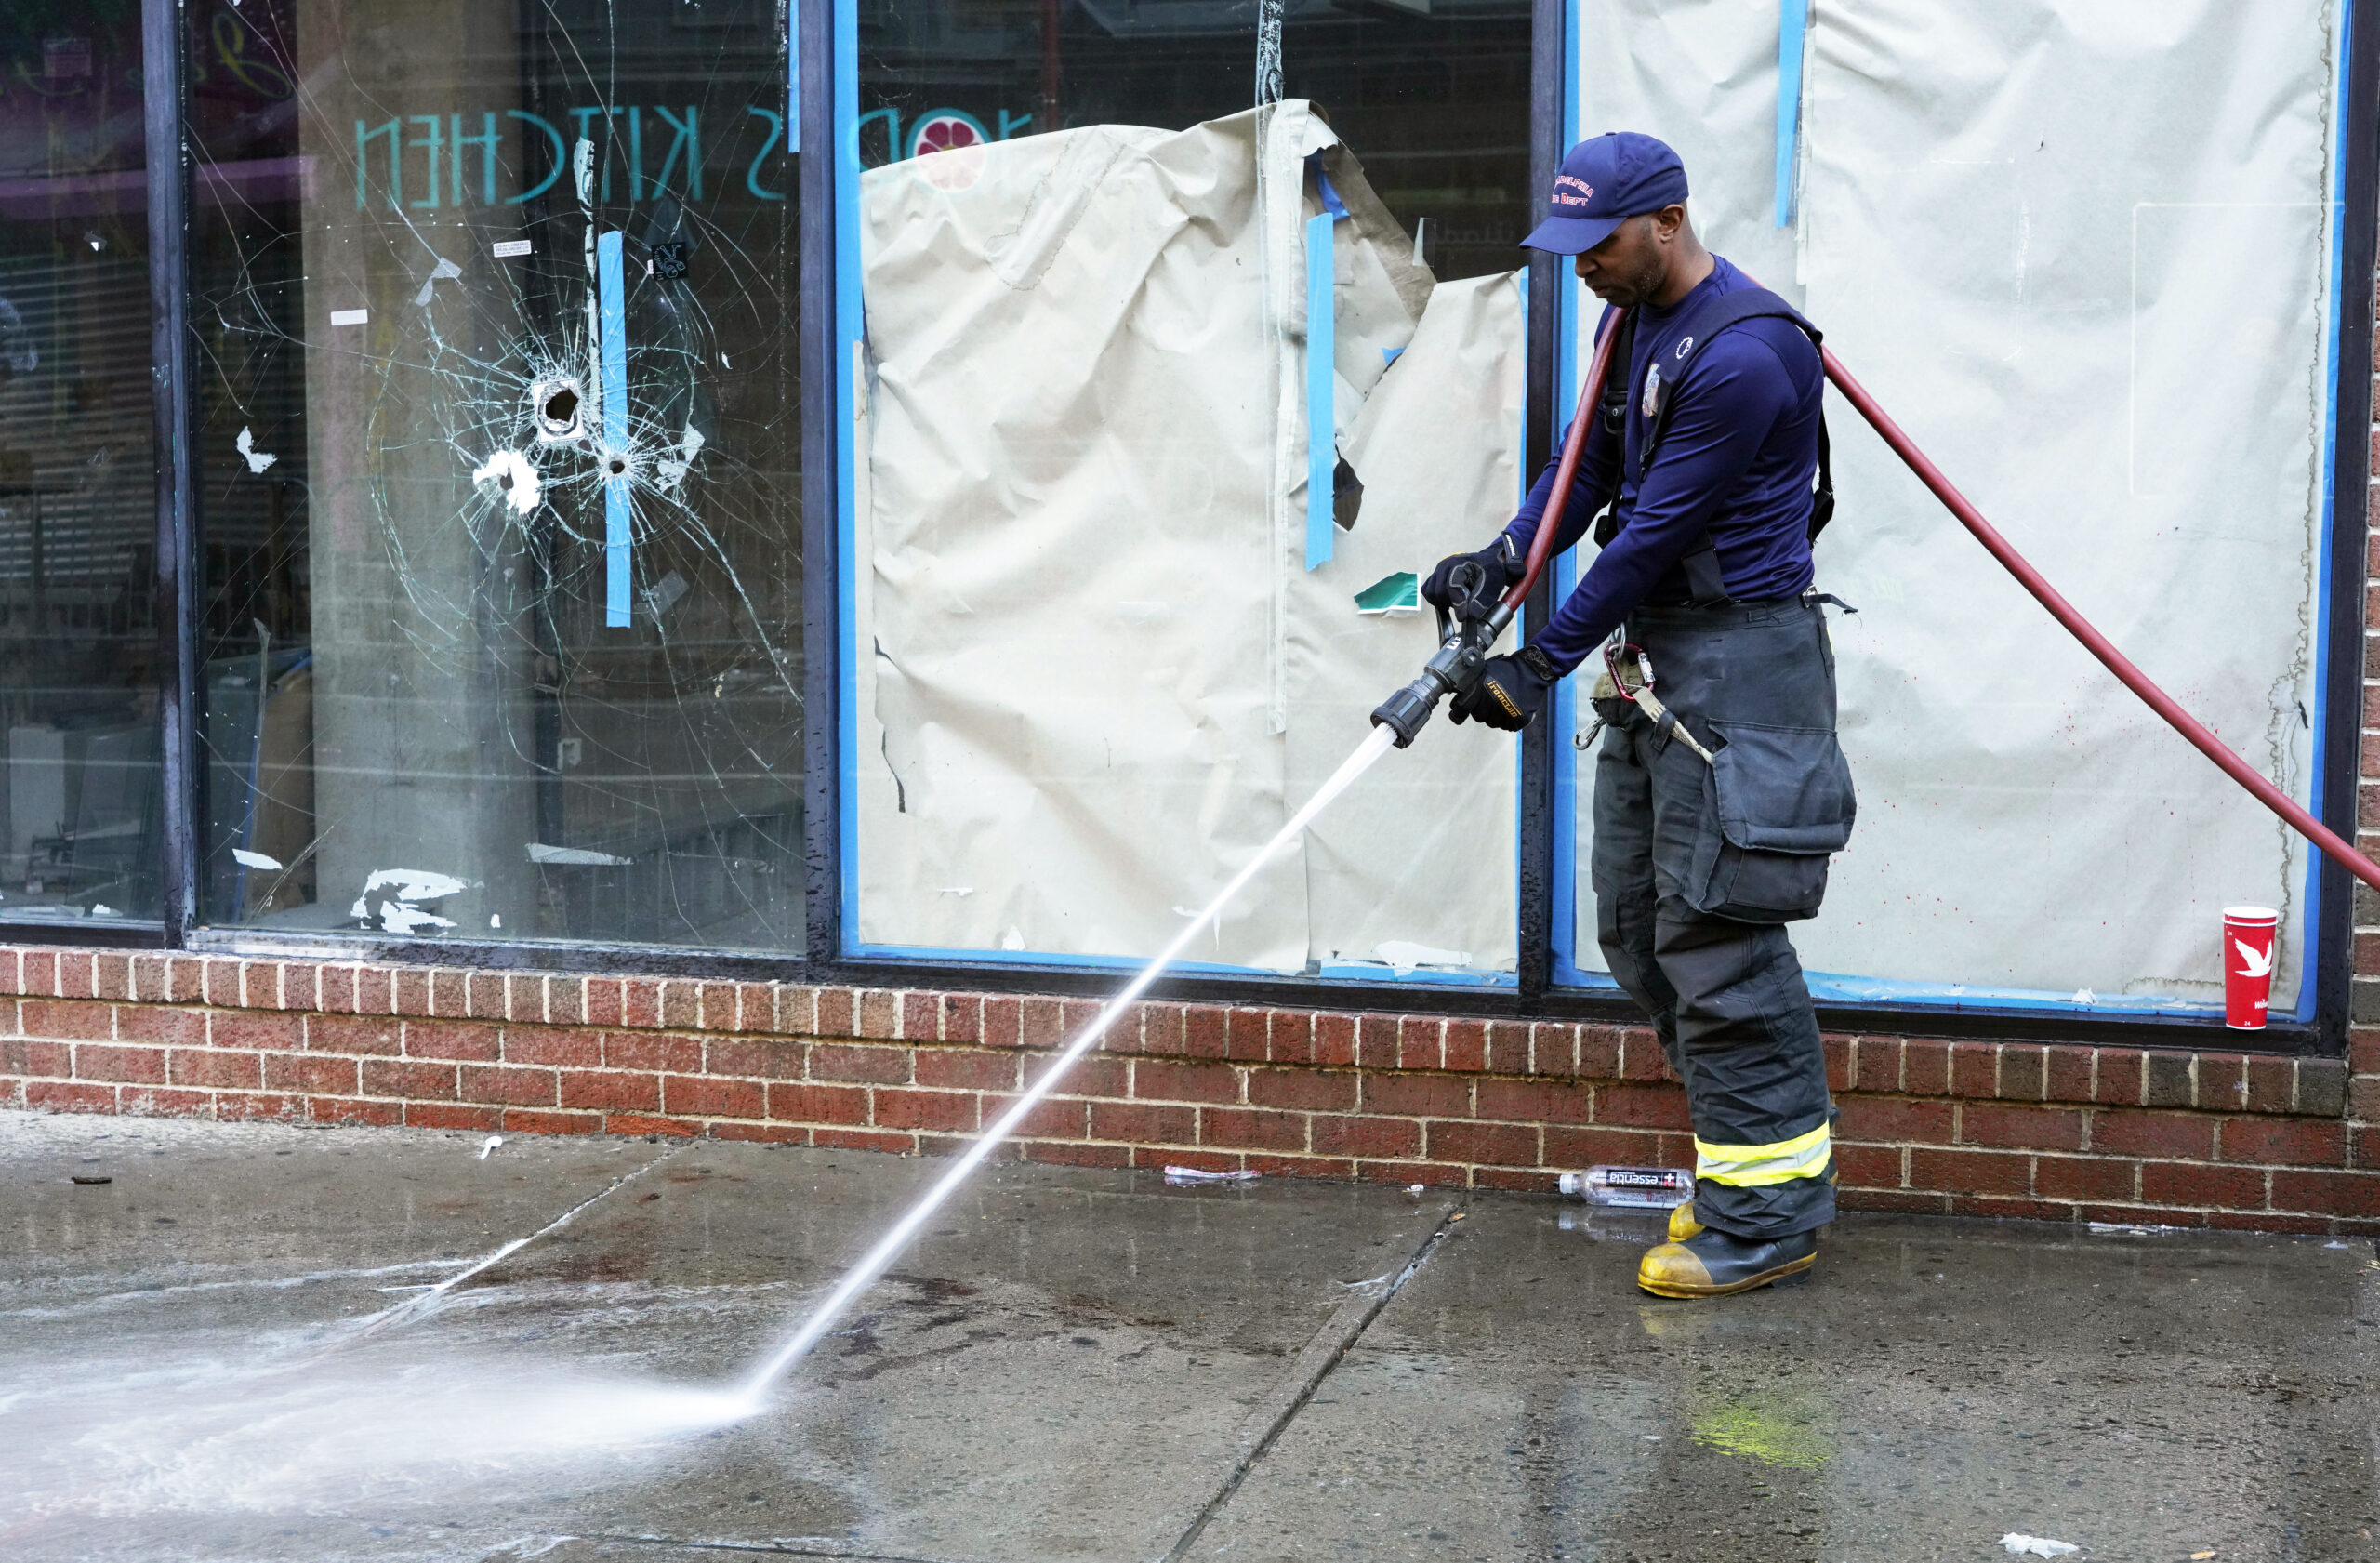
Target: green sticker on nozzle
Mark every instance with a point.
(1399, 593)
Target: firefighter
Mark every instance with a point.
(1718, 799)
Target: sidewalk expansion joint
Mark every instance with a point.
(1333, 1341)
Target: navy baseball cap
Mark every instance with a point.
(1603, 182)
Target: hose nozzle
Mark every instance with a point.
(1407, 712)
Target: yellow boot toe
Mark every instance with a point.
(1681, 1223)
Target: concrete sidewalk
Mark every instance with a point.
(265, 1342)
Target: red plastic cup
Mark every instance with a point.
(2248, 934)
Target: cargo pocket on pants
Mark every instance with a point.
(1776, 805)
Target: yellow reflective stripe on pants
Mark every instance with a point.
(1805, 1156)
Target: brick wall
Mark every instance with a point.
(2097, 1134)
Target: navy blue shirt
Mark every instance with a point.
(1736, 465)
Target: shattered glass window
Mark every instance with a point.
(78, 631)
(499, 469)
(1191, 334)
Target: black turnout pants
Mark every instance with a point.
(1697, 866)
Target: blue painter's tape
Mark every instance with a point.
(850, 324)
(792, 79)
(1792, 36)
(1321, 410)
(612, 327)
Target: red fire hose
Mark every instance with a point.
(1542, 547)
(2096, 643)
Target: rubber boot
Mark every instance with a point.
(1715, 1263)
(1681, 1223)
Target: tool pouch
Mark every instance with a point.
(1777, 804)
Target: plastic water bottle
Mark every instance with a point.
(1651, 1189)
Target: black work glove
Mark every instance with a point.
(1510, 693)
(1502, 560)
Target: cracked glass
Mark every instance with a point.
(78, 629)
(498, 451)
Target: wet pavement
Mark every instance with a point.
(264, 1342)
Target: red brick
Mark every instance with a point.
(1144, 1123)
(920, 1017)
(1417, 1095)
(69, 1019)
(2140, 1215)
(1336, 1134)
(1970, 1171)
(409, 993)
(1076, 1016)
(1869, 1166)
(1291, 1037)
(1061, 1117)
(1161, 1031)
(375, 989)
(945, 1111)
(1570, 1146)
(1508, 1047)
(135, 1066)
(2222, 1081)
(449, 993)
(875, 1066)
(235, 1105)
(1896, 1119)
(1508, 1145)
(1436, 1173)
(795, 1103)
(1904, 1201)
(1599, 1049)
(37, 972)
(2179, 1137)
(33, 1057)
(1324, 1091)
(708, 1096)
(1642, 1057)
(2338, 1193)
(1206, 1032)
(606, 1002)
(2027, 1128)
(620, 1091)
(152, 1101)
(651, 1124)
(447, 1038)
(1040, 1023)
(771, 1134)
(1376, 1041)
(1974, 1070)
(661, 1053)
(862, 1139)
(1251, 1128)
(1334, 1039)
(370, 1036)
(1878, 1063)
(2304, 1142)
(348, 1110)
(765, 1057)
(404, 1076)
(70, 1096)
(221, 1071)
(838, 1012)
(1535, 1102)
(1071, 1155)
(312, 1073)
(640, 1001)
(1553, 1050)
(973, 1071)
(1841, 1066)
(2272, 1084)
(1928, 1066)
(532, 1121)
(2067, 1076)
(138, 1022)
(525, 998)
(879, 1014)
(556, 1047)
(111, 975)
(2021, 1070)
(2085, 1177)
(2001, 1209)
(1205, 1160)
(510, 1087)
(1466, 1045)
(2193, 1182)
(963, 1018)
(1301, 1166)
(2167, 1083)
(1247, 1034)
(1419, 1041)
(1641, 1107)
(1160, 1080)
(2119, 1079)
(1097, 1075)
(2265, 1220)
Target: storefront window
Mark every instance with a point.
(1117, 607)
(498, 445)
(78, 518)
